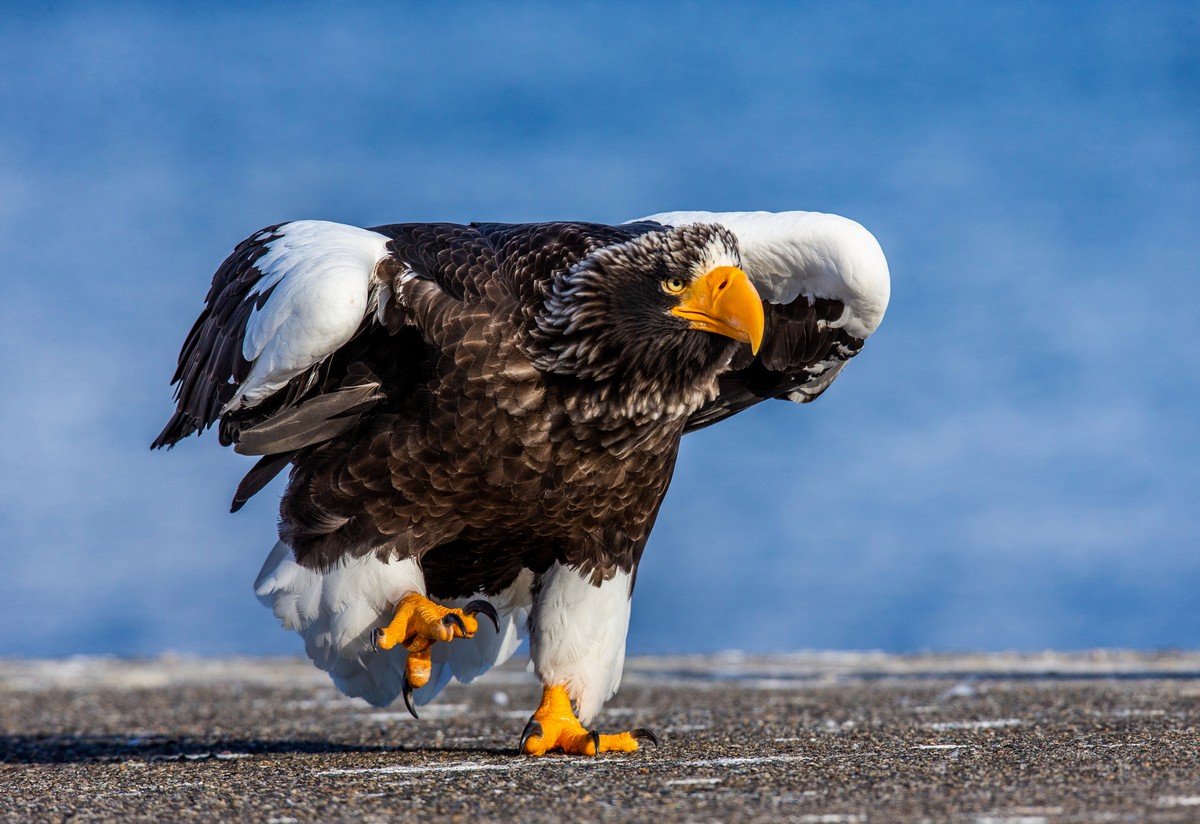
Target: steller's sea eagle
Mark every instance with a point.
(482, 420)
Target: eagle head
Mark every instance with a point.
(658, 315)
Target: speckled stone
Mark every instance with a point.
(816, 738)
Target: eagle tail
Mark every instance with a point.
(338, 610)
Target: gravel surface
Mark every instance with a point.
(816, 738)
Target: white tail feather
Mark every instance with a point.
(337, 611)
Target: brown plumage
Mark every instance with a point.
(480, 402)
(491, 433)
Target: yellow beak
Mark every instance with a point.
(726, 303)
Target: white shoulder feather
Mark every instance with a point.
(821, 255)
(318, 278)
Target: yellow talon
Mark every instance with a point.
(418, 624)
(419, 665)
(555, 727)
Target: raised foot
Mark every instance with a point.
(418, 624)
(555, 727)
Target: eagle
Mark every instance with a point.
(481, 422)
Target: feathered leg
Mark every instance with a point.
(577, 641)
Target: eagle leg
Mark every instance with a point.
(419, 623)
(555, 727)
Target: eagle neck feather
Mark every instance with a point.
(630, 367)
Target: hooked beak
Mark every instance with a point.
(724, 302)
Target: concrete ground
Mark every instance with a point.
(810, 738)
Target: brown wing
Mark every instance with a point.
(380, 358)
(802, 352)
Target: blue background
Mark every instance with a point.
(1012, 462)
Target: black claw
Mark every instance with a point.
(376, 637)
(408, 697)
(531, 729)
(595, 736)
(452, 619)
(642, 733)
(477, 607)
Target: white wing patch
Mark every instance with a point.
(787, 254)
(321, 279)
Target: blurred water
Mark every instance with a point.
(1011, 463)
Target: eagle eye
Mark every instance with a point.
(673, 285)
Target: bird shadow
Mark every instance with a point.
(76, 749)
